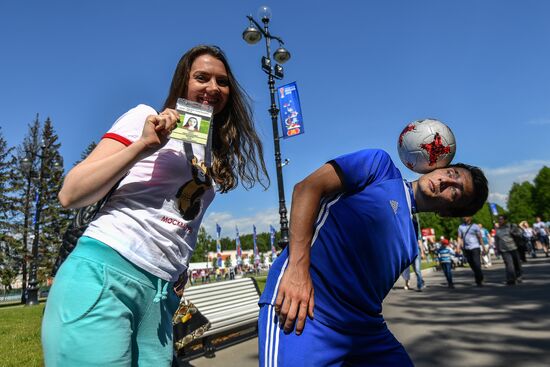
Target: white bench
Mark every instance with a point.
(231, 307)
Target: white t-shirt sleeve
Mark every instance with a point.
(128, 127)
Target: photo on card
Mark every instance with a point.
(194, 123)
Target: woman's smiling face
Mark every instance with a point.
(208, 83)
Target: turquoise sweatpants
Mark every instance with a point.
(104, 311)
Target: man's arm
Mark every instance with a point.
(459, 241)
(480, 239)
(421, 247)
(295, 296)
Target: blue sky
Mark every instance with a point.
(482, 67)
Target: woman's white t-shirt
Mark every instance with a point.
(143, 219)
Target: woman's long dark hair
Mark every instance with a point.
(236, 148)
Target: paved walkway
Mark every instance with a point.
(495, 325)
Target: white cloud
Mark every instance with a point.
(530, 167)
(497, 197)
(227, 221)
(502, 178)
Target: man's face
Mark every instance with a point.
(446, 188)
(501, 220)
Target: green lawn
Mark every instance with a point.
(20, 336)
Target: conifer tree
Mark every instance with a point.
(23, 183)
(53, 218)
(9, 266)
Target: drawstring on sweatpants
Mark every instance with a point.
(162, 291)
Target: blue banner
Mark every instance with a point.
(256, 253)
(493, 208)
(291, 113)
(272, 238)
(219, 245)
(238, 245)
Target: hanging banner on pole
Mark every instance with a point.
(291, 112)
(256, 254)
(219, 245)
(494, 210)
(272, 240)
(238, 247)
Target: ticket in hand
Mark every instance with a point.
(194, 123)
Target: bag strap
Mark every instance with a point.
(468, 230)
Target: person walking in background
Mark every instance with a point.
(469, 242)
(529, 237)
(485, 243)
(113, 300)
(541, 231)
(417, 263)
(445, 254)
(508, 249)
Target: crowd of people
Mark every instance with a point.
(477, 246)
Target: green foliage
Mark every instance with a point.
(204, 244)
(20, 336)
(520, 202)
(541, 193)
(53, 218)
(448, 227)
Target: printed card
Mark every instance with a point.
(194, 123)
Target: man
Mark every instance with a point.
(541, 232)
(353, 213)
(507, 247)
(469, 242)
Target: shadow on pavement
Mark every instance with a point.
(493, 325)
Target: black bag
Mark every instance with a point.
(83, 217)
(517, 235)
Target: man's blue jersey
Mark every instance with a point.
(363, 240)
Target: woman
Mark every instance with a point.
(529, 237)
(112, 301)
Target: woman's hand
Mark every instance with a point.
(157, 128)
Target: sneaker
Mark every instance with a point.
(510, 282)
(519, 279)
(451, 286)
(406, 287)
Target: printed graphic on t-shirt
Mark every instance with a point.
(190, 194)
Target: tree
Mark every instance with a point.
(6, 206)
(203, 245)
(541, 193)
(53, 218)
(23, 182)
(520, 202)
(86, 152)
(8, 265)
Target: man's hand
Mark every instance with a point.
(295, 299)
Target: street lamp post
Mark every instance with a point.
(253, 34)
(32, 289)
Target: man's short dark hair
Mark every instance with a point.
(481, 192)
